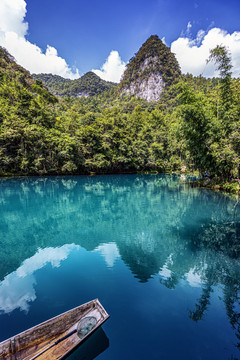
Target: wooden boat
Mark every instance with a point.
(55, 338)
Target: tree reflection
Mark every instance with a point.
(231, 300)
(224, 271)
(159, 225)
(202, 304)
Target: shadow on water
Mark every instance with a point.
(96, 344)
(160, 227)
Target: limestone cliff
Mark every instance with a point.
(150, 70)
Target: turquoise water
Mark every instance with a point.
(162, 257)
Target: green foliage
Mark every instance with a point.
(222, 58)
(211, 122)
(88, 85)
(152, 58)
(190, 128)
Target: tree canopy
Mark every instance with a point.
(194, 126)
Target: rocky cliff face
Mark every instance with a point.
(150, 70)
(149, 89)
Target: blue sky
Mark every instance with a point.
(75, 36)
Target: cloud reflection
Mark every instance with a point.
(17, 289)
(194, 279)
(109, 252)
(165, 272)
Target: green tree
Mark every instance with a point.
(221, 57)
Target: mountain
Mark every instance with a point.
(18, 87)
(9, 69)
(150, 70)
(88, 85)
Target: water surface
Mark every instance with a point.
(162, 257)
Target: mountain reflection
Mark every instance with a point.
(157, 225)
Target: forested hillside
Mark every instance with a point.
(194, 126)
(88, 85)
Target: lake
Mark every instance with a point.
(162, 257)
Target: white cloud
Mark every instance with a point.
(189, 26)
(187, 32)
(112, 69)
(12, 15)
(193, 53)
(200, 36)
(13, 30)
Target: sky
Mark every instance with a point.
(72, 37)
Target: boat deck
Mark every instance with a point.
(39, 342)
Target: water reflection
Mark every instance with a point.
(157, 225)
(96, 344)
(109, 252)
(194, 278)
(17, 290)
(221, 271)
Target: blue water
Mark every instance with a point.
(162, 257)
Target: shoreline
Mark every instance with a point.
(232, 186)
(206, 183)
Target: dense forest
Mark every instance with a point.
(87, 85)
(195, 126)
